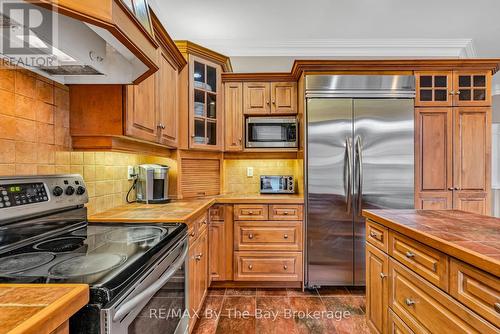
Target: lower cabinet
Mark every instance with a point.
(217, 251)
(197, 273)
(377, 268)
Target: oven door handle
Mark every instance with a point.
(148, 293)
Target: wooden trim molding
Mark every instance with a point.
(168, 43)
(187, 47)
(118, 144)
(385, 65)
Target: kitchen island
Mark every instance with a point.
(432, 271)
(40, 308)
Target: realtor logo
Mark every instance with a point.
(28, 33)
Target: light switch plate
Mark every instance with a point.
(249, 171)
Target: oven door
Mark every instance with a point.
(271, 132)
(157, 303)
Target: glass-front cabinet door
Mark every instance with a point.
(472, 88)
(205, 112)
(434, 89)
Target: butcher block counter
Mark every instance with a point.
(185, 210)
(40, 308)
(432, 271)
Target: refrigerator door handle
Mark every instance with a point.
(348, 174)
(359, 156)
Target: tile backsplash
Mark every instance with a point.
(35, 140)
(236, 180)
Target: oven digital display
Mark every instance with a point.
(22, 194)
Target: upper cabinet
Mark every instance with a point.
(201, 116)
(233, 115)
(128, 118)
(265, 98)
(453, 88)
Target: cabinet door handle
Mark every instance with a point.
(285, 267)
(250, 236)
(409, 302)
(458, 92)
(497, 307)
(192, 234)
(456, 188)
(382, 275)
(285, 236)
(410, 255)
(161, 126)
(451, 189)
(267, 102)
(197, 257)
(250, 266)
(274, 102)
(452, 92)
(373, 234)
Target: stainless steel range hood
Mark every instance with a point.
(82, 53)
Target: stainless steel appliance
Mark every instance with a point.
(277, 184)
(137, 274)
(360, 155)
(152, 184)
(271, 132)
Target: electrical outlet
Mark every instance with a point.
(130, 172)
(249, 171)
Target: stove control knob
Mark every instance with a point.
(80, 190)
(70, 190)
(58, 191)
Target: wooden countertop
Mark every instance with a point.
(39, 308)
(184, 210)
(472, 238)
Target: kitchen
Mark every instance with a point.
(151, 184)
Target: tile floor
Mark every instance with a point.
(336, 310)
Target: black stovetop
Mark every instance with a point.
(63, 248)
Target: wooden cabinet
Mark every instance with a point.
(280, 236)
(233, 116)
(140, 110)
(377, 235)
(265, 98)
(453, 88)
(268, 266)
(453, 156)
(377, 272)
(217, 263)
(251, 212)
(167, 82)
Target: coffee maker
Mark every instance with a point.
(152, 184)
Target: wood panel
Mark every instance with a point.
(233, 106)
(433, 156)
(251, 212)
(472, 159)
(426, 309)
(267, 266)
(268, 236)
(377, 235)
(256, 98)
(396, 325)
(200, 177)
(216, 212)
(476, 289)
(167, 99)
(286, 212)
(377, 272)
(217, 254)
(427, 262)
(283, 98)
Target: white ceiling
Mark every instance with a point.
(266, 35)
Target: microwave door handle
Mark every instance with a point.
(148, 293)
(348, 174)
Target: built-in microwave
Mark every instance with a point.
(271, 132)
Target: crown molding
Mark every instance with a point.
(435, 48)
(188, 47)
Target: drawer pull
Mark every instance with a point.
(497, 307)
(285, 236)
(382, 275)
(250, 236)
(285, 267)
(410, 255)
(205, 222)
(250, 266)
(285, 213)
(192, 234)
(198, 257)
(373, 234)
(409, 302)
(250, 213)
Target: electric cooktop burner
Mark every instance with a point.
(61, 244)
(24, 261)
(136, 234)
(85, 265)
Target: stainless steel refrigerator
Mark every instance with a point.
(359, 155)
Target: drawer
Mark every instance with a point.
(377, 235)
(425, 261)
(285, 212)
(216, 212)
(476, 289)
(268, 266)
(199, 224)
(267, 235)
(396, 325)
(426, 309)
(250, 212)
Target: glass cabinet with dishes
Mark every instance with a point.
(205, 99)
